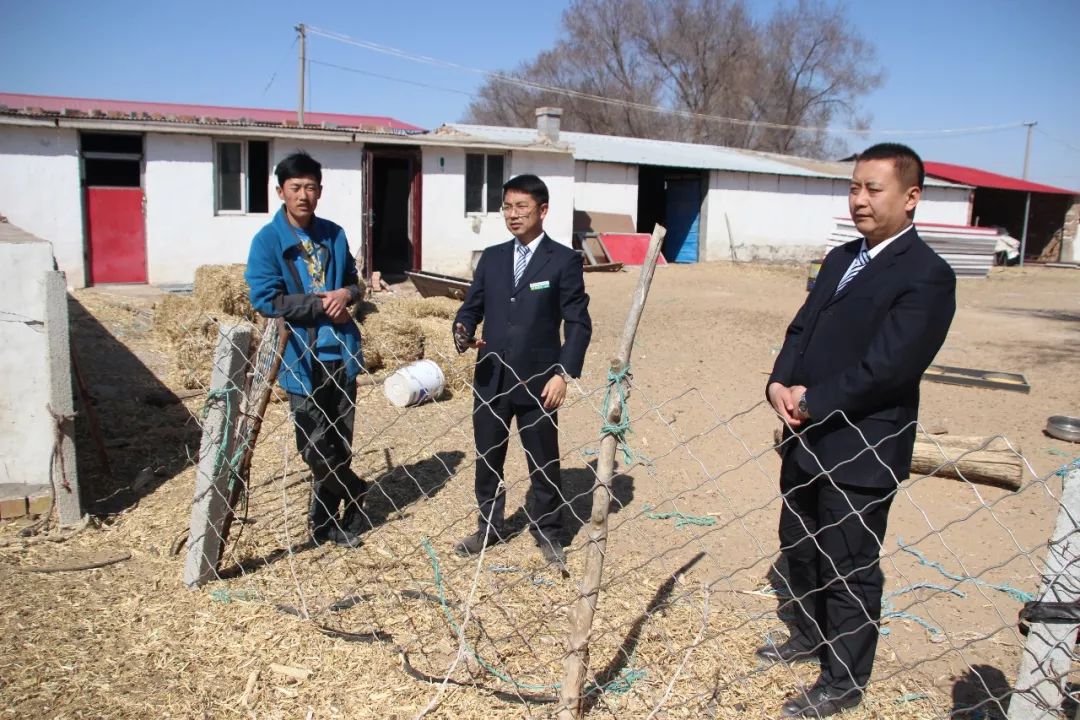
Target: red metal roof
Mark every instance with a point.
(982, 178)
(175, 112)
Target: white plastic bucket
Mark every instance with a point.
(415, 383)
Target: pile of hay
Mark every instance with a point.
(399, 331)
(390, 342)
(191, 324)
(222, 289)
(396, 331)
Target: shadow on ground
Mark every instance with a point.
(146, 434)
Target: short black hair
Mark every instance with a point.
(909, 166)
(299, 164)
(530, 184)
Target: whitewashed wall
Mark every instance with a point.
(606, 187)
(450, 235)
(182, 228)
(39, 191)
(26, 428)
(786, 218)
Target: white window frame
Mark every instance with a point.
(484, 186)
(243, 142)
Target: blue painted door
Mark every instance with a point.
(683, 221)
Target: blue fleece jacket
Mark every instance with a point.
(277, 290)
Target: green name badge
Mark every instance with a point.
(543, 285)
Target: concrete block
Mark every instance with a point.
(12, 508)
(210, 506)
(38, 505)
(65, 477)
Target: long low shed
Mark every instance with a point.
(968, 250)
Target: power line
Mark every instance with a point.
(520, 82)
(368, 73)
(273, 77)
(1058, 140)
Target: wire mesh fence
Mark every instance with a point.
(693, 580)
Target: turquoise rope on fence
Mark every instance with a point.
(622, 428)
(1014, 593)
(681, 519)
(223, 447)
(1064, 470)
(618, 686)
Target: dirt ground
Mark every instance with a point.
(683, 603)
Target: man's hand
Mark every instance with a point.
(796, 392)
(780, 397)
(336, 304)
(554, 392)
(462, 340)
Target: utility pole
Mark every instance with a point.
(1027, 149)
(1027, 201)
(302, 31)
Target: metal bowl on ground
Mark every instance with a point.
(1063, 427)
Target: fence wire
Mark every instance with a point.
(694, 580)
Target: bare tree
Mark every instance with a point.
(803, 66)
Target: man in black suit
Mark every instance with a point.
(524, 291)
(846, 384)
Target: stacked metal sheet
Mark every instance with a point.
(968, 250)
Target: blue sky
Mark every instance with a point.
(949, 63)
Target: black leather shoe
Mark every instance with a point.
(473, 544)
(790, 651)
(552, 552)
(331, 533)
(820, 702)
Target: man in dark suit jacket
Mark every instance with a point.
(846, 384)
(524, 291)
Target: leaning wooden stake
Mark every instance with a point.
(576, 665)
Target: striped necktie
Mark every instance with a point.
(856, 265)
(522, 260)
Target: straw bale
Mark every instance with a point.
(390, 342)
(436, 307)
(222, 289)
(439, 346)
(172, 316)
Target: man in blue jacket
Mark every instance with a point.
(846, 384)
(525, 291)
(300, 269)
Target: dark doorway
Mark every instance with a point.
(391, 247)
(392, 200)
(672, 197)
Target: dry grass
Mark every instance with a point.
(129, 641)
(390, 342)
(222, 288)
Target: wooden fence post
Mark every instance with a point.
(576, 665)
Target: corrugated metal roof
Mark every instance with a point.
(641, 151)
(983, 178)
(53, 106)
(666, 153)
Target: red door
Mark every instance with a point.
(116, 234)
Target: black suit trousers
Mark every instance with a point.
(539, 433)
(831, 537)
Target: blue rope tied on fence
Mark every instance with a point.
(1014, 593)
(616, 389)
(619, 685)
(681, 519)
(225, 394)
(1064, 470)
